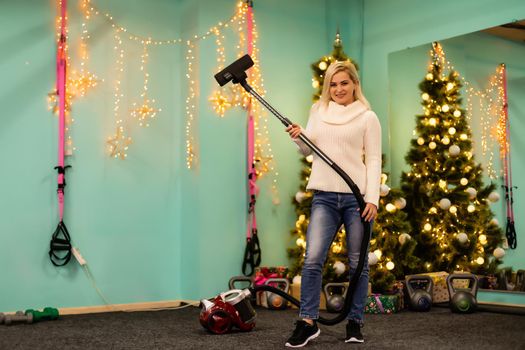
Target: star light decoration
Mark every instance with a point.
(118, 144)
(79, 83)
(221, 102)
(144, 112)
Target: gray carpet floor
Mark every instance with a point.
(180, 329)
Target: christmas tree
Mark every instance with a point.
(392, 244)
(391, 254)
(447, 203)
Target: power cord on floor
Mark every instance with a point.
(87, 271)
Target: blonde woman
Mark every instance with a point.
(344, 127)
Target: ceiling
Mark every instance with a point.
(512, 31)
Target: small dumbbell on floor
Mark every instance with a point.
(18, 317)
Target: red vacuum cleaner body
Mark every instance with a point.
(232, 308)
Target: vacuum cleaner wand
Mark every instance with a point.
(235, 72)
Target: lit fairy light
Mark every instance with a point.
(146, 110)
(220, 101)
(119, 143)
(490, 102)
(191, 106)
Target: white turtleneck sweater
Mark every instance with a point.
(351, 137)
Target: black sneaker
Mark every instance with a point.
(353, 333)
(302, 334)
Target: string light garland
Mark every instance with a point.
(490, 100)
(191, 106)
(119, 143)
(145, 111)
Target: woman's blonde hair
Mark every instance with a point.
(342, 66)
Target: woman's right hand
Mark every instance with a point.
(293, 130)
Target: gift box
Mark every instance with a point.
(295, 291)
(440, 289)
(398, 287)
(383, 304)
(261, 277)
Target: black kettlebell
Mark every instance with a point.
(275, 301)
(420, 297)
(334, 300)
(243, 279)
(463, 300)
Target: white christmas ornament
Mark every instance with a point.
(498, 253)
(403, 238)
(383, 190)
(372, 259)
(454, 150)
(400, 203)
(472, 193)
(432, 145)
(390, 265)
(462, 237)
(444, 203)
(296, 279)
(390, 208)
(493, 197)
(494, 221)
(300, 196)
(339, 268)
(310, 158)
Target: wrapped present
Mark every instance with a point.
(261, 277)
(295, 291)
(460, 283)
(398, 287)
(440, 289)
(262, 274)
(382, 304)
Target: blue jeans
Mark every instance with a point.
(330, 210)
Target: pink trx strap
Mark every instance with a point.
(58, 246)
(510, 230)
(252, 252)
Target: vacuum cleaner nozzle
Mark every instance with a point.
(235, 71)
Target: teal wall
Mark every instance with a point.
(475, 56)
(149, 228)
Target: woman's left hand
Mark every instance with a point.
(370, 212)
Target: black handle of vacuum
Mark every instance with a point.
(238, 78)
